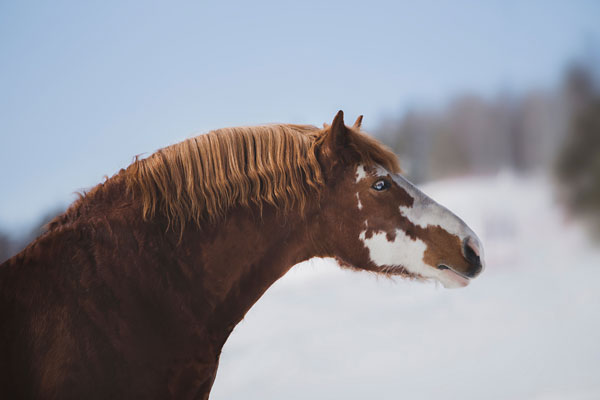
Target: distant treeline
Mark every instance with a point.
(556, 132)
(475, 135)
(578, 163)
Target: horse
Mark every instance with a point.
(133, 291)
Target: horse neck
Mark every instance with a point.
(236, 260)
(220, 270)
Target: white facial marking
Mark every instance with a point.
(359, 203)
(360, 173)
(402, 251)
(407, 253)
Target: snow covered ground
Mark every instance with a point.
(527, 328)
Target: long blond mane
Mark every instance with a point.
(203, 177)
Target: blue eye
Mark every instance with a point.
(380, 185)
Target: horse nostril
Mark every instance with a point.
(471, 252)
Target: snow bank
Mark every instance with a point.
(527, 328)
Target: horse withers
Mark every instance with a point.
(133, 291)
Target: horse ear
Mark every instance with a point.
(337, 137)
(337, 144)
(358, 122)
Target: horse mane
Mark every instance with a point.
(204, 176)
(201, 178)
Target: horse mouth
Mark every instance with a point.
(451, 278)
(445, 275)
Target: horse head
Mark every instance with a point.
(375, 219)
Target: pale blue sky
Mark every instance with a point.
(85, 86)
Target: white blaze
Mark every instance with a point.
(426, 212)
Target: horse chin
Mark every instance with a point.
(451, 280)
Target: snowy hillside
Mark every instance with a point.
(527, 328)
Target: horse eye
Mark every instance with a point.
(380, 185)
